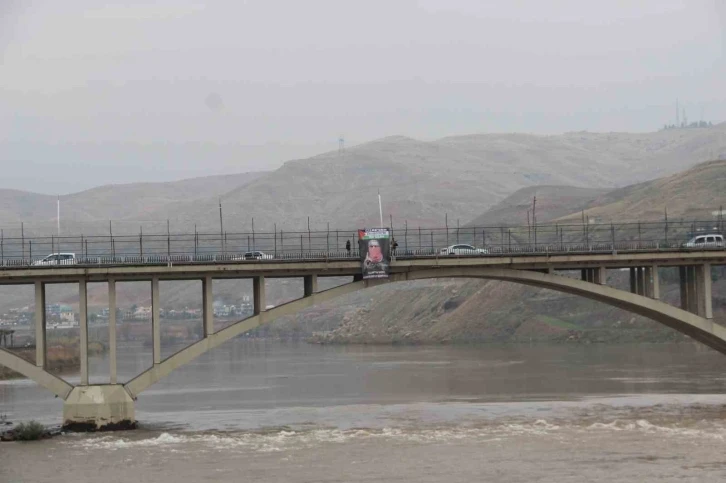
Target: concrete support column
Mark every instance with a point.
(258, 288)
(207, 306)
(83, 325)
(655, 282)
(692, 289)
(311, 284)
(112, 331)
(40, 324)
(704, 305)
(683, 278)
(707, 291)
(583, 274)
(633, 281)
(640, 280)
(156, 320)
(648, 282)
(600, 275)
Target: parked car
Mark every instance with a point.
(57, 259)
(712, 240)
(257, 255)
(463, 250)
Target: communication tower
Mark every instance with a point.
(678, 115)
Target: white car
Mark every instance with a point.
(257, 255)
(463, 250)
(706, 241)
(57, 259)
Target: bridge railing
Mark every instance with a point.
(330, 244)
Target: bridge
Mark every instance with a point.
(546, 264)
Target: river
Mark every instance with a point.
(270, 411)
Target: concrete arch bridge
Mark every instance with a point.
(100, 405)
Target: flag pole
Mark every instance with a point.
(380, 208)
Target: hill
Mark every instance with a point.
(90, 210)
(461, 176)
(692, 195)
(552, 202)
(420, 182)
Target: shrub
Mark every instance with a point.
(29, 431)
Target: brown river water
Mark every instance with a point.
(269, 411)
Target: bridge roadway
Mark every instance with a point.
(100, 405)
(181, 268)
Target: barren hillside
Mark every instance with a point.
(461, 176)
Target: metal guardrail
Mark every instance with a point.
(194, 248)
(496, 252)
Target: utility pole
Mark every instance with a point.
(665, 211)
(529, 229)
(221, 226)
(534, 219)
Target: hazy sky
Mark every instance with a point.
(150, 91)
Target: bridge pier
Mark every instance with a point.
(112, 331)
(40, 320)
(258, 294)
(593, 275)
(640, 280)
(703, 289)
(83, 326)
(156, 320)
(207, 306)
(649, 283)
(311, 284)
(644, 281)
(695, 288)
(99, 407)
(655, 283)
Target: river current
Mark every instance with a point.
(270, 411)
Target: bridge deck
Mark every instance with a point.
(348, 266)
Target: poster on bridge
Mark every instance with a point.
(374, 245)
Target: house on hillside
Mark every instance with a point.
(67, 315)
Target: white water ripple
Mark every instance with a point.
(284, 440)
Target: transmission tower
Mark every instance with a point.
(341, 145)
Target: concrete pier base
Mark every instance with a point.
(91, 408)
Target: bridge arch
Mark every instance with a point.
(696, 327)
(55, 384)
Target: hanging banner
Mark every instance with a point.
(374, 244)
